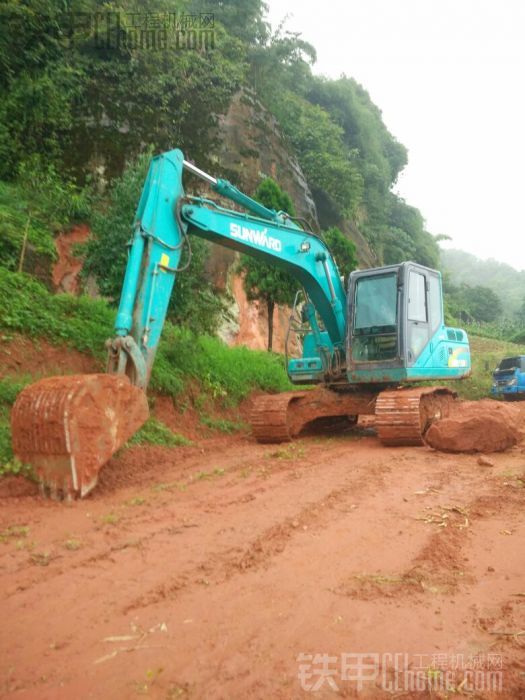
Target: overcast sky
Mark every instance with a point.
(449, 77)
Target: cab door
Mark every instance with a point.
(418, 317)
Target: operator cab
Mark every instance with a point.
(396, 328)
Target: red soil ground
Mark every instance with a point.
(221, 569)
(206, 571)
(20, 355)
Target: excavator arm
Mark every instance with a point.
(165, 219)
(69, 427)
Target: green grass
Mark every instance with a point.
(223, 425)
(9, 389)
(15, 216)
(14, 532)
(154, 432)
(110, 519)
(199, 476)
(225, 373)
(29, 308)
(291, 451)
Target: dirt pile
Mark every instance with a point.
(476, 426)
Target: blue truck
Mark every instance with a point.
(508, 379)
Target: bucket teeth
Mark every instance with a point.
(67, 428)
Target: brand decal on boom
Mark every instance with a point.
(258, 237)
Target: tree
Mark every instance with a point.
(87, 104)
(520, 313)
(272, 196)
(482, 304)
(479, 303)
(262, 281)
(343, 250)
(330, 166)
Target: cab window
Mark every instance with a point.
(375, 320)
(417, 303)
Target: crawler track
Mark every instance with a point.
(270, 417)
(281, 417)
(404, 415)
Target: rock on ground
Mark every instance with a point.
(477, 426)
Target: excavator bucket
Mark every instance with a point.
(68, 427)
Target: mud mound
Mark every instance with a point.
(38, 357)
(476, 426)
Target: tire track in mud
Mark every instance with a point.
(271, 473)
(134, 520)
(239, 559)
(276, 473)
(260, 551)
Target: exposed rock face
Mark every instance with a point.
(250, 323)
(366, 256)
(67, 267)
(252, 148)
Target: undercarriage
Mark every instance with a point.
(402, 416)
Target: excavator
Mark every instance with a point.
(363, 347)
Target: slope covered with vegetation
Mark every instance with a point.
(507, 283)
(86, 103)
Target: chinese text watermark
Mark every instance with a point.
(398, 672)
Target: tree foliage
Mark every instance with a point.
(343, 250)
(379, 157)
(273, 197)
(472, 304)
(85, 108)
(507, 282)
(68, 95)
(39, 203)
(329, 166)
(405, 237)
(263, 281)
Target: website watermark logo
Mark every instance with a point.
(401, 672)
(155, 31)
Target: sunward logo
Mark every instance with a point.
(255, 236)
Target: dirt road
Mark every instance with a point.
(234, 570)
